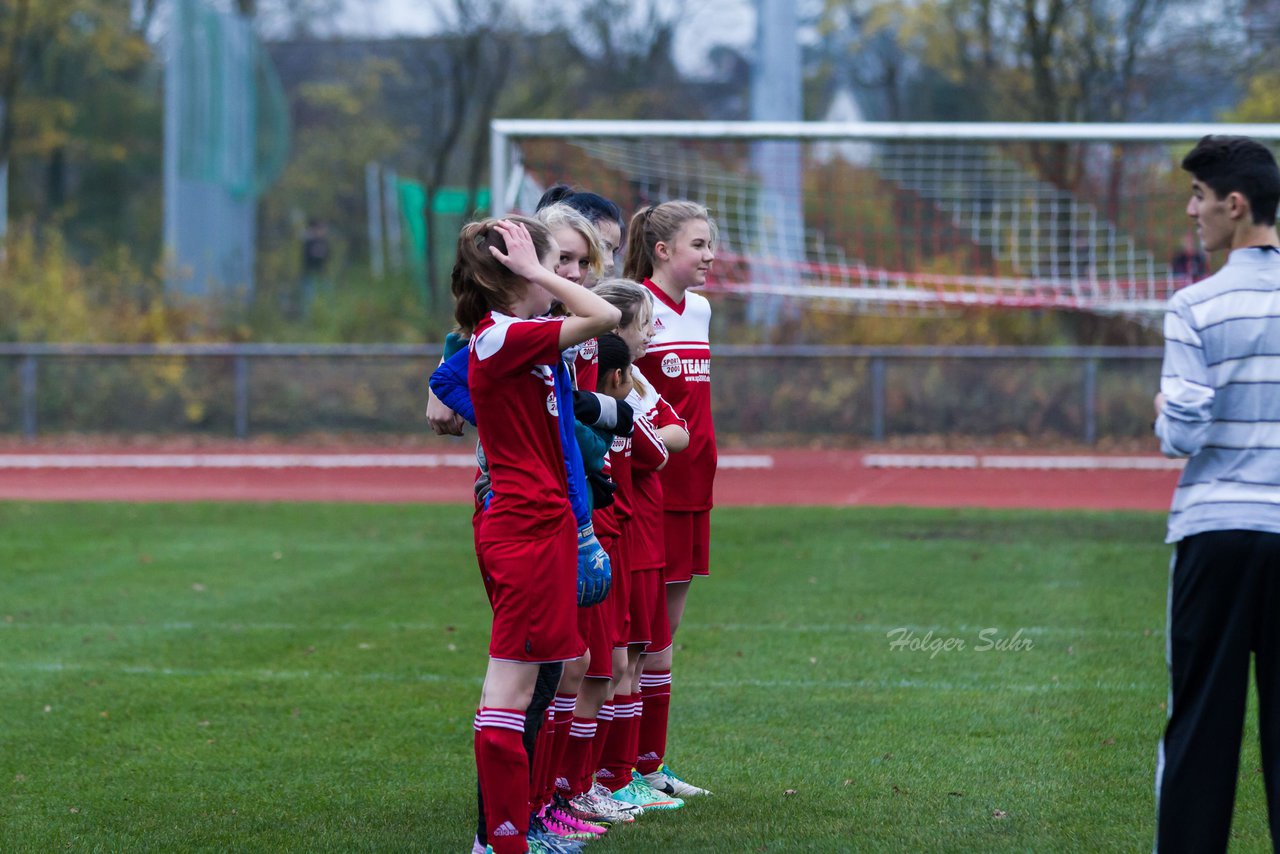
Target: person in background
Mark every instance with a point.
(1189, 263)
(315, 260)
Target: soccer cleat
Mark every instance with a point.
(641, 794)
(666, 781)
(550, 843)
(571, 809)
(539, 846)
(553, 833)
(477, 848)
(564, 824)
(601, 792)
(601, 810)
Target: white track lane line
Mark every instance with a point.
(1059, 462)
(38, 462)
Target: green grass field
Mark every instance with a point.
(303, 678)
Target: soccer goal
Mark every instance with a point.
(1087, 217)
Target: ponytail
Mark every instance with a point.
(658, 224)
(638, 262)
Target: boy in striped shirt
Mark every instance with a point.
(1219, 405)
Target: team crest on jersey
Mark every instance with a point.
(588, 350)
(551, 405)
(671, 365)
(619, 444)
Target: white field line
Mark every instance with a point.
(853, 627)
(790, 685)
(1074, 462)
(284, 461)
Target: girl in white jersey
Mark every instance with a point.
(670, 248)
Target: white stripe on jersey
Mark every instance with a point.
(490, 341)
(679, 345)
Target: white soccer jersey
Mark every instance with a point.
(678, 364)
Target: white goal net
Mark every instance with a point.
(1080, 217)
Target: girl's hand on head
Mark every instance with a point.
(521, 256)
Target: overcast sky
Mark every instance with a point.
(706, 24)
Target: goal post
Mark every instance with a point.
(1086, 217)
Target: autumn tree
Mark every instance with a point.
(1022, 60)
(82, 125)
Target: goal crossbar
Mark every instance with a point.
(1005, 231)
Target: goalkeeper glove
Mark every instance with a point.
(593, 568)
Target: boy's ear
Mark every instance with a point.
(1237, 205)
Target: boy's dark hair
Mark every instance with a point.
(1238, 164)
(593, 206)
(614, 354)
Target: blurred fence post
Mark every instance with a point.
(242, 396)
(1090, 401)
(28, 379)
(877, 398)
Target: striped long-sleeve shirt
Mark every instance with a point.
(1221, 381)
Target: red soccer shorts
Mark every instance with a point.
(533, 588)
(595, 624)
(620, 592)
(688, 544)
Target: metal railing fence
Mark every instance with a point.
(791, 392)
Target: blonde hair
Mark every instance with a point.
(656, 224)
(634, 301)
(559, 215)
(480, 283)
(627, 297)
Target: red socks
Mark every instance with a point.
(575, 768)
(604, 722)
(553, 739)
(543, 750)
(655, 687)
(619, 755)
(503, 768)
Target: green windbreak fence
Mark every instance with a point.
(233, 116)
(452, 206)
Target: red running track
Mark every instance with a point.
(832, 478)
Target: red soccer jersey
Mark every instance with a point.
(512, 385)
(678, 364)
(604, 519)
(649, 453)
(586, 367)
(620, 471)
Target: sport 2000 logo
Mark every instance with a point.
(671, 365)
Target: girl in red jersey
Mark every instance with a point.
(595, 709)
(670, 247)
(582, 249)
(603, 214)
(657, 433)
(565, 725)
(527, 540)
